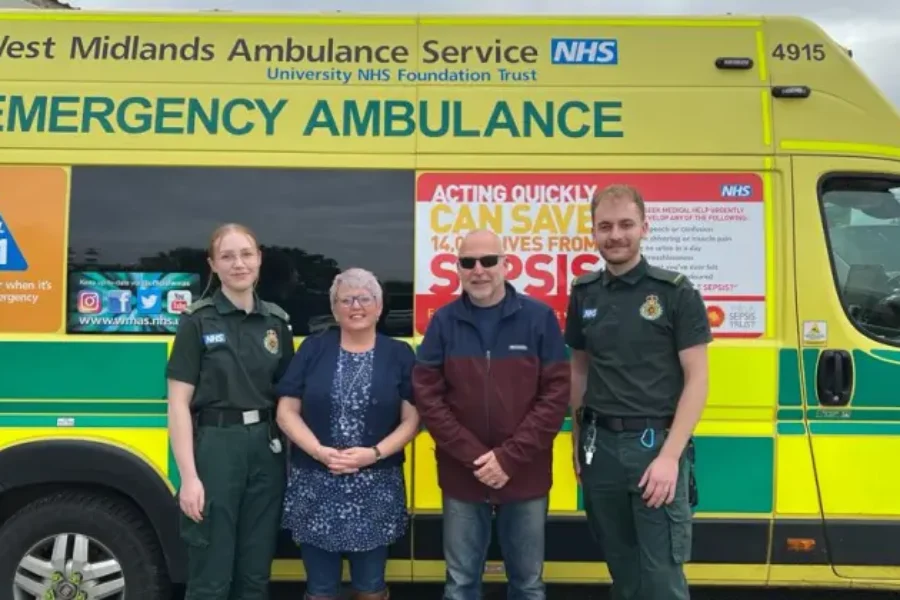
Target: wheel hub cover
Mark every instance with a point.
(66, 591)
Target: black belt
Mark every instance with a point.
(620, 424)
(223, 417)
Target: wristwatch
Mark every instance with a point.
(377, 453)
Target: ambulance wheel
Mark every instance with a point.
(81, 546)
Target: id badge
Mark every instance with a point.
(275, 444)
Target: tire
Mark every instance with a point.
(113, 530)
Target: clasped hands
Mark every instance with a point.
(351, 460)
(490, 472)
(343, 462)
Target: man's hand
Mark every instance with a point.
(660, 479)
(490, 473)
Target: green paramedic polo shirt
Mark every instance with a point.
(632, 328)
(233, 358)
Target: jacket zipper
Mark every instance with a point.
(487, 407)
(487, 394)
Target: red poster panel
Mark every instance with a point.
(709, 226)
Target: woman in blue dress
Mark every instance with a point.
(346, 406)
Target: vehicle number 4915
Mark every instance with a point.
(795, 52)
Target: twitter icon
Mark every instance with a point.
(149, 300)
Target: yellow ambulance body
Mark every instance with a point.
(125, 138)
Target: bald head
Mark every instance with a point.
(481, 241)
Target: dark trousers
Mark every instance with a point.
(467, 535)
(324, 572)
(645, 548)
(230, 551)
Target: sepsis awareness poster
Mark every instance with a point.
(709, 226)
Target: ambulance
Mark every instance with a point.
(769, 162)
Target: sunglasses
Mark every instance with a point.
(487, 261)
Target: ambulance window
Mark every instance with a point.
(862, 217)
(151, 225)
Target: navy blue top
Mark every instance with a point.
(353, 512)
(310, 375)
(526, 329)
(487, 319)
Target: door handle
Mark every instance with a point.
(834, 378)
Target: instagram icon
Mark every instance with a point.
(88, 302)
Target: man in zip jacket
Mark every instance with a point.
(492, 385)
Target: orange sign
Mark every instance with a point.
(716, 316)
(32, 248)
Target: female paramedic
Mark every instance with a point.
(346, 403)
(230, 349)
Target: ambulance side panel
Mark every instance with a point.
(848, 289)
(36, 468)
(838, 137)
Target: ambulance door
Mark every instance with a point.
(847, 244)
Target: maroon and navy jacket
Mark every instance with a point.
(509, 395)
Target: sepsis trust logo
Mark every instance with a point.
(716, 316)
(698, 226)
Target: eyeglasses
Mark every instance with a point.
(363, 301)
(247, 256)
(487, 261)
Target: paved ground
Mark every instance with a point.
(433, 592)
(559, 592)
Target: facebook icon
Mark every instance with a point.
(119, 301)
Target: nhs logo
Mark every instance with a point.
(731, 190)
(584, 51)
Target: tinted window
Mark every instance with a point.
(312, 223)
(862, 218)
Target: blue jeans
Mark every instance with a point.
(467, 535)
(324, 570)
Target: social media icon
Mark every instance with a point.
(88, 302)
(177, 301)
(119, 301)
(149, 300)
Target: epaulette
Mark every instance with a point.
(201, 303)
(672, 277)
(587, 278)
(277, 311)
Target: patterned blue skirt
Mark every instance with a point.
(346, 513)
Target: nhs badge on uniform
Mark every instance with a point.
(589, 313)
(214, 338)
